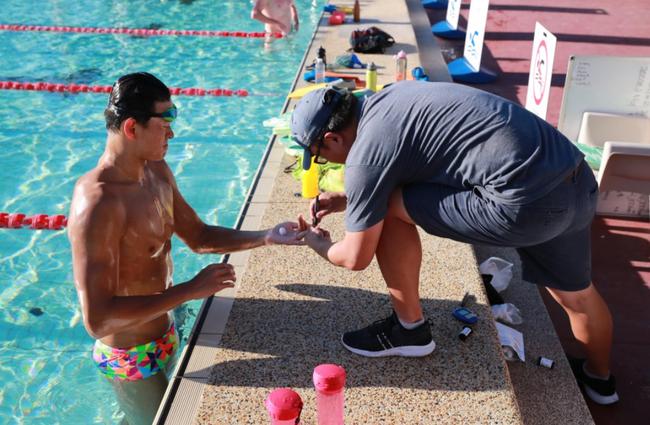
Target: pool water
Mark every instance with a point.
(48, 140)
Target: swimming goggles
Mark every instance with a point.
(169, 115)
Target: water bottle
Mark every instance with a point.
(329, 380)
(284, 406)
(320, 71)
(371, 77)
(310, 181)
(356, 11)
(400, 68)
(321, 54)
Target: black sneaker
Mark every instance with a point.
(389, 338)
(601, 391)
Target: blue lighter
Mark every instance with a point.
(464, 315)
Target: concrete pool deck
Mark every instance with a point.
(290, 307)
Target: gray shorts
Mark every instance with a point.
(552, 234)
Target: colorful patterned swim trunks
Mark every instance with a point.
(139, 362)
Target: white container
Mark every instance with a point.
(400, 66)
(319, 69)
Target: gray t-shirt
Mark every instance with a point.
(452, 135)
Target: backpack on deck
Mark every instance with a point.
(370, 40)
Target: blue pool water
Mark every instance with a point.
(47, 140)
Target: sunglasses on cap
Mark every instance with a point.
(169, 115)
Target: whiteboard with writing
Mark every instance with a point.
(618, 85)
(624, 204)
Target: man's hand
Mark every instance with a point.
(328, 203)
(287, 233)
(316, 238)
(212, 279)
(285, 28)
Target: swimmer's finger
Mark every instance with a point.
(225, 274)
(219, 266)
(224, 285)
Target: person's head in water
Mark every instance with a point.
(135, 96)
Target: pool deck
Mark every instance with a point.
(290, 307)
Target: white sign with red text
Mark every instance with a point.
(478, 10)
(541, 71)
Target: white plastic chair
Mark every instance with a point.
(625, 166)
(624, 180)
(596, 128)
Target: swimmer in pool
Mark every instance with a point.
(277, 16)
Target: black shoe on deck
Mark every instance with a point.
(389, 338)
(601, 391)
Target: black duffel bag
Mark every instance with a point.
(370, 40)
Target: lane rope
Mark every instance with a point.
(136, 31)
(35, 222)
(84, 88)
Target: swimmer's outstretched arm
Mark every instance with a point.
(206, 239)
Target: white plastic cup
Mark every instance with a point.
(329, 381)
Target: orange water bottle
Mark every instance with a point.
(356, 11)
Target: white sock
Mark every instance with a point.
(410, 325)
(591, 375)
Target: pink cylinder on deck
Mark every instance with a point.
(284, 406)
(329, 381)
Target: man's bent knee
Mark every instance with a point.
(577, 301)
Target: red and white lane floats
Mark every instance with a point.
(84, 88)
(35, 222)
(136, 31)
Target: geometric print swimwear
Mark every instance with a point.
(139, 362)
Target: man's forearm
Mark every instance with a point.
(260, 16)
(334, 252)
(123, 313)
(322, 247)
(223, 240)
